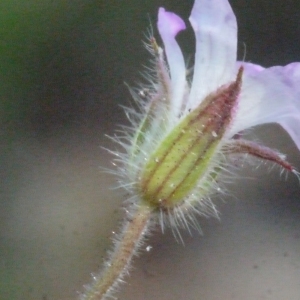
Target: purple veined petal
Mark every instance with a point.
(270, 96)
(169, 24)
(215, 28)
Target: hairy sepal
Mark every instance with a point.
(188, 153)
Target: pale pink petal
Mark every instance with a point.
(169, 24)
(270, 96)
(215, 28)
(249, 68)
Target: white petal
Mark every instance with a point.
(270, 95)
(169, 24)
(215, 29)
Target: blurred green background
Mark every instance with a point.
(63, 65)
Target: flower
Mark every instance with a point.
(188, 126)
(267, 95)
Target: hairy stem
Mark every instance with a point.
(125, 247)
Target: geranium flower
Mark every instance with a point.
(188, 127)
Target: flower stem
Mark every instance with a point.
(125, 247)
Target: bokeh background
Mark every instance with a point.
(63, 65)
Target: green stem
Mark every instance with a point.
(131, 238)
